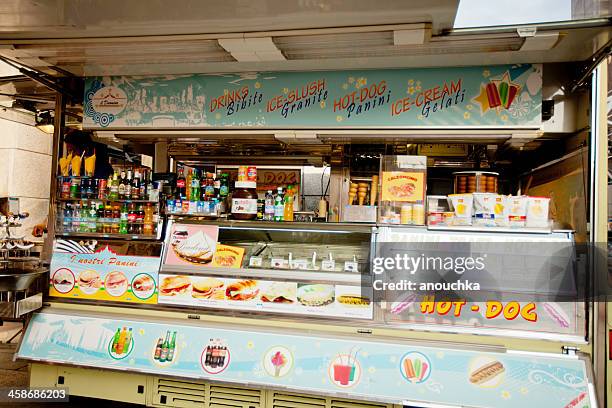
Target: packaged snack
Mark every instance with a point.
(500, 209)
(517, 211)
(537, 212)
(462, 206)
(484, 209)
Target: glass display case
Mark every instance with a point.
(289, 268)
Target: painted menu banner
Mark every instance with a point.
(484, 96)
(192, 245)
(265, 296)
(80, 272)
(395, 372)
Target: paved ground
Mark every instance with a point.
(15, 374)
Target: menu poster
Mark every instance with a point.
(403, 186)
(77, 271)
(265, 296)
(192, 244)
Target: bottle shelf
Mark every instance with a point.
(68, 200)
(132, 237)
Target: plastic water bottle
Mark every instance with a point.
(269, 206)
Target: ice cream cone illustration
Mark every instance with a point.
(278, 360)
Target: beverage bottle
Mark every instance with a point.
(224, 186)
(140, 219)
(128, 185)
(108, 218)
(76, 218)
(89, 188)
(116, 340)
(172, 347)
(195, 187)
(288, 211)
(151, 194)
(279, 205)
(131, 228)
(269, 206)
(83, 188)
(136, 187)
(180, 186)
(158, 348)
(210, 188)
(128, 340)
(123, 219)
(67, 218)
(121, 341)
(208, 353)
(114, 188)
(116, 217)
(74, 188)
(65, 192)
(93, 217)
(84, 217)
(121, 186)
(100, 218)
(102, 187)
(148, 220)
(165, 348)
(142, 177)
(188, 185)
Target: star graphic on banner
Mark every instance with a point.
(482, 100)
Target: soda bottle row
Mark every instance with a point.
(109, 218)
(201, 186)
(122, 341)
(165, 349)
(119, 186)
(215, 354)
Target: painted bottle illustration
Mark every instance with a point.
(128, 340)
(121, 342)
(172, 347)
(215, 354)
(165, 348)
(158, 348)
(116, 340)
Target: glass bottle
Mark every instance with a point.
(279, 205)
(123, 219)
(121, 187)
(116, 218)
(181, 184)
(288, 203)
(148, 220)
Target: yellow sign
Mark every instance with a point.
(406, 186)
(228, 256)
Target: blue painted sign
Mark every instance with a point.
(490, 96)
(392, 371)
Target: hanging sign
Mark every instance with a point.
(489, 96)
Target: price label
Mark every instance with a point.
(328, 265)
(255, 262)
(351, 266)
(300, 264)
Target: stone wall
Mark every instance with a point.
(25, 170)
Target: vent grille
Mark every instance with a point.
(285, 400)
(184, 394)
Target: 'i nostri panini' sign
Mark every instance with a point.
(490, 96)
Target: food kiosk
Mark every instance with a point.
(207, 308)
